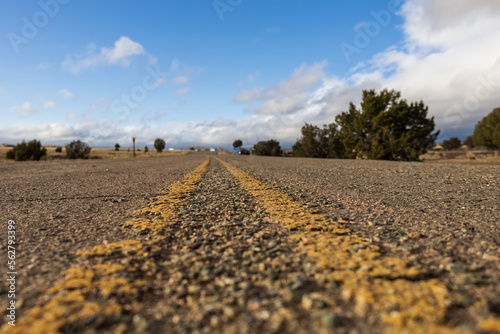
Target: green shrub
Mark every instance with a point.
(469, 142)
(487, 131)
(77, 150)
(159, 145)
(117, 147)
(58, 149)
(452, 144)
(237, 143)
(319, 143)
(146, 149)
(269, 147)
(385, 127)
(32, 150)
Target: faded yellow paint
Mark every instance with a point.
(165, 206)
(69, 302)
(116, 247)
(492, 325)
(124, 247)
(69, 307)
(372, 281)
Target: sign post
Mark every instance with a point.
(133, 141)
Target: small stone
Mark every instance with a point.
(228, 311)
(328, 320)
(297, 283)
(456, 268)
(307, 302)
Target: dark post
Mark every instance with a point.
(133, 141)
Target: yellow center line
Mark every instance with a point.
(165, 207)
(382, 284)
(78, 298)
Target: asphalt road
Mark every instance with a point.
(251, 244)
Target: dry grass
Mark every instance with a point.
(459, 156)
(101, 153)
(489, 157)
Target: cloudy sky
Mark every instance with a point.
(205, 72)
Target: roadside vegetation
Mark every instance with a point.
(386, 127)
(269, 147)
(452, 144)
(237, 143)
(77, 150)
(487, 131)
(32, 150)
(159, 145)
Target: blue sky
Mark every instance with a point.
(208, 72)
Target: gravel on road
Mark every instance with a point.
(212, 255)
(443, 218)
(63, 206)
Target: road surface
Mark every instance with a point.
(237, 244)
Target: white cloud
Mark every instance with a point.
(255, 93)
(71, 116)
(283, 104)
(80, 117)
(442, 60)
(124, 48)
(360, 25)
(447, 24)
(66, 94)
(182, 72)
(160, 82)
(180, 80)
(218, 132)
(178, 67)
(288, 95)
(157, 116)
(441, 14)
(183, 91)
(25, 109)
(447, 59)
(49, 105)
(299, 81)
(253, 76)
